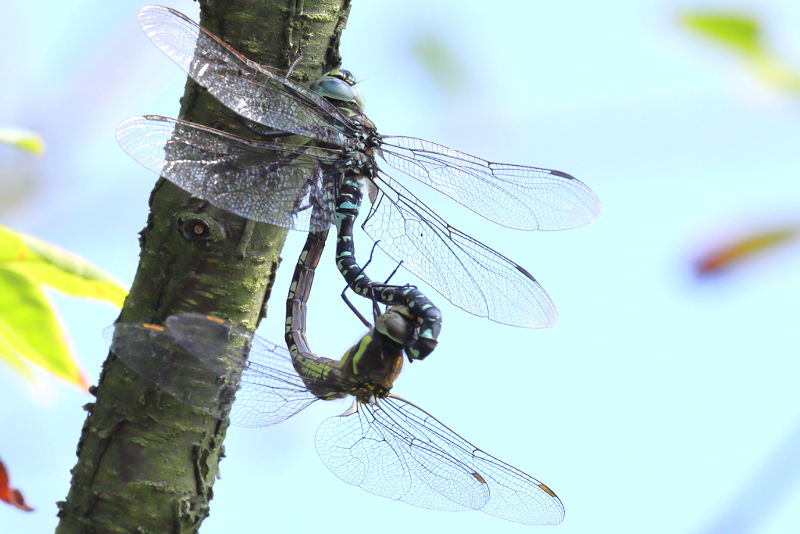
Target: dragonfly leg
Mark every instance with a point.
(292, 25)
(296, 59)
(244, 240)
(391, 274)
(353, 308)
(375, 309)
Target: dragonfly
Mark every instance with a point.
(271, 181)
(383, 443)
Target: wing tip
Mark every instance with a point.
(587, 198)
(147, 14)
(558, 173)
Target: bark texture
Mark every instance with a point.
(147, 462)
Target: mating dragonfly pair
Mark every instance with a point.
(383, 444)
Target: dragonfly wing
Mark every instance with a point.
(242, 85)
(155, 355)
(262, 181)
(270, 390)
(515, 196)
(512, 494)
(365, 449)
(463, 270)
(258, 372)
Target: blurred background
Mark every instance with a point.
(664, 400)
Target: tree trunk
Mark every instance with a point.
(146, 462)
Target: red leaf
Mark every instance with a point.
(11, 495)
(742, 250)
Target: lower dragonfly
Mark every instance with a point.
(383, 443)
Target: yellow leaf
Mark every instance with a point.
(64, 271)
(30, 329)
(30, 141)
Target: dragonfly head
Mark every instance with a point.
(395, 325)
(399, 325)
(339, 85)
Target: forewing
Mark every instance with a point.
(155, 355)
(512, 494)
(242, 85)
(269, 389)
(270, 182)
(515, 196)
(364, 448)
(466, 272)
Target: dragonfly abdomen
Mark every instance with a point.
(427, 315)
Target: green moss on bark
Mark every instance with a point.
(147, 462)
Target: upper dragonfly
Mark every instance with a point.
(269, 181)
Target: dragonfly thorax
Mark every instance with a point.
(372, 365)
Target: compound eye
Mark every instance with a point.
(395, 326)
(347, 76)
(332, 87)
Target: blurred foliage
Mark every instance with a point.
(22, 139)
(734, 30)
(743, 249)
(440, 63)
(11, 495)
(17, 180)
(30, 329)
(742, 34)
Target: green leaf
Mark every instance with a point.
(30, 141)
(742, 35)
(48, 264)
(13, 359)
(29, 329)
(439, 61)
(740, 32)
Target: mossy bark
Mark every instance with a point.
(146, 462)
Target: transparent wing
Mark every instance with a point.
(242, 85)
(365, 448)
(513, 495)
(515, 196)
(153, 353)
(395, 449)
(463, 270)
(258, 180)
(268, 391)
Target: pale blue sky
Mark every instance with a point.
(657, 404)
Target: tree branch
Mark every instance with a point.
(146, 462)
